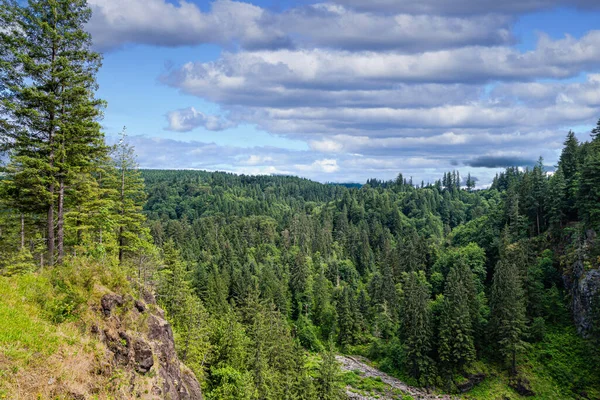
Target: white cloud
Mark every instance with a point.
(157, 22)
(463, 7)
(327, 166)
(374, 87)
(187, 119)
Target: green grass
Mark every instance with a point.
(23, 331)
(43, 319)
(559, 367)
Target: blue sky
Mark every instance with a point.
(349, 89)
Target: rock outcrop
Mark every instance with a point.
(139, 342)
(584, 287)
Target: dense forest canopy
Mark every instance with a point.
(265, 278)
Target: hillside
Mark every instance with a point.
(79, 333)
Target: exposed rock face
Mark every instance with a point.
(583, 286)
(140, 341)
(109, 301)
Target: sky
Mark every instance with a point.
(347, 90)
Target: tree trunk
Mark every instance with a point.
(514, 362)
(61, 222)
(51, 226)
(22, 232)
(51, 185)
(121, 244)
(121, 228)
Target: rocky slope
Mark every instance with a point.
(583, 287)
(139, 341)
(358, 364)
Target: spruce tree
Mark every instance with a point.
(328, 381)
(416, 326)
(569, 162)
(507, 308)
(456, 347)
(589, 187)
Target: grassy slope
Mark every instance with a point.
(559, 367)
(44, 349)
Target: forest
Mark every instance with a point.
(265, 279)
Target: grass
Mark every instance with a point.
(28, 340)
(44, 349)
(559, 367)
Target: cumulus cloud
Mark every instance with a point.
(187, 119)
(276, 71)
(115, 23)
(327, 166)
(464, 7)
(373, 87)
(329, 25)
(158, 22)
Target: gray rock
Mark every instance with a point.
(109, 301)
(583, 287)
(144, 359)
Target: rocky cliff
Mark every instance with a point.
(584, 287)
(139, 342)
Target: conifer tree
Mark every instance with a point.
(569, 162)
(507, 307)
(558, 201)
(328, 382)
(589, 187)
(596, 131)
(130, 198)
(345, 312)
(416, 326)
(456, 344)
(48, 90)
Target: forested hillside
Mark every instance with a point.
(436, 283)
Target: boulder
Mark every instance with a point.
(143, 356)
(109, 301)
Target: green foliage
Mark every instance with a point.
(507, 321)
(456, 346)
(329, 380)
(416, 326)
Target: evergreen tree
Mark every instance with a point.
(346, 323)
(328, 381)
(48, 90)
(456, 344)
(558, 202)
(507, 320)
(569, 162)
(130, 192)
(596, 131)
(416, 326)
(589, 190)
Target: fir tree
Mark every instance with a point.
(507, 321)
(456, 344)
(130, 198)
(416, 326)
(328, 381)
(48, 90)
(569, 162)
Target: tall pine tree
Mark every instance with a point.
(48, 90)
(507, 306)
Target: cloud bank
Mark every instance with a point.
(372, 86)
